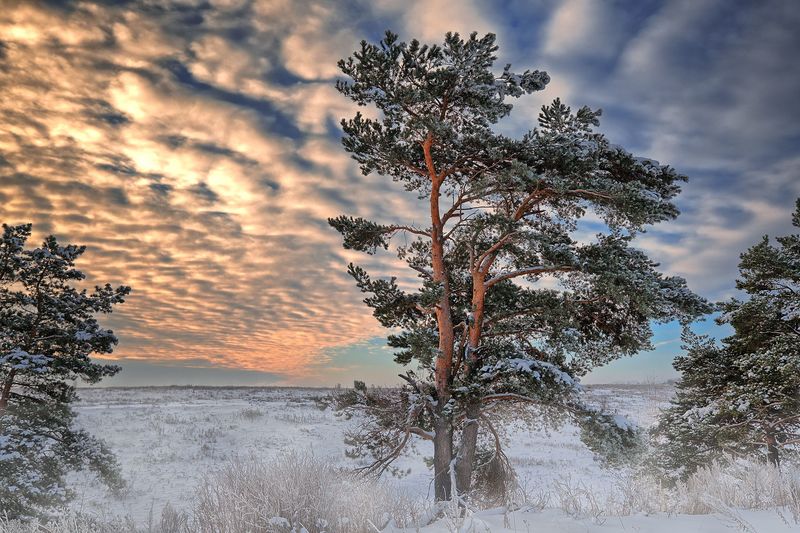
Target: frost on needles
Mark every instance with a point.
(48, 331)
(742, 398)
(511, 308)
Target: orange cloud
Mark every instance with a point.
(193, 193)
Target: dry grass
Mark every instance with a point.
(716, 489)
(293, 492)
(300, 491)
(296, 491)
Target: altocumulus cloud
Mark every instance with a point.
(193, 146)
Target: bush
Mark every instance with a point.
(297, 491)
(251, 413)
(712, 489)
(292, 492)
(740, 484)
(68, 524)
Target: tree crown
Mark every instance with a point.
(509, 209)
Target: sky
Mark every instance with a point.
(194, 147)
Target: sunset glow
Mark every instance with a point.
(195, 150)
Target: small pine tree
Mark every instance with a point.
(511, 307)
(742, 398)
(48, 331)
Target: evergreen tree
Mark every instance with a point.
(742, 398)
(48, 331)
(511, 307)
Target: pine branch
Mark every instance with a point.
(585, 193)
(539, 194)
(513, 397)
(413, 169)
(426, 435)
(528, 272)
(410, 229)
(505, 239)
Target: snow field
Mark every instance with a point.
(256, 459)
(168, 439)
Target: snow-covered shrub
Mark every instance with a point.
(578, 500)
(251, 413)
(296, 491)
(712, 489)
(70, 524)
(171, 521)
(494, 480)
(636, 492)
(740, 484)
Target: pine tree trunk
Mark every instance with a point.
(773, 454)
(466, 453)
(443, 440)
(442, 457)
(5, 393)
(469, 435)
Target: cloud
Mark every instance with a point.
(224, 64)
(580, 28)
(314, 46)
(703, 87)
(711, 94)
(714, 82)
(181, 187)
(195, 149)
(150, 373)
(429, 20)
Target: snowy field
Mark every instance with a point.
(169, 439)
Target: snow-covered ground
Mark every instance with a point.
(556, 521)
(168, 439)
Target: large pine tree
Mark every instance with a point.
(513, 306)
(48, 331)
(742, 397)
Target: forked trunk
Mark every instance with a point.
(443, 440)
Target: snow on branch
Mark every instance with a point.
(530, 271)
